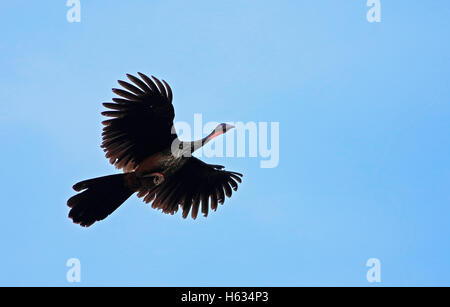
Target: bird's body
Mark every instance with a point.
(140, 140)
(161, 162)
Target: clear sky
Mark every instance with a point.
(364, 115)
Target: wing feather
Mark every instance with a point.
(141, 121)
(195, 186)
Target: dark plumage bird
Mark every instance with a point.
(140, 139)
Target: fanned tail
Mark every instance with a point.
(99, 197)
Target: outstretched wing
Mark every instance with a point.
(193, 184)
(141, 124)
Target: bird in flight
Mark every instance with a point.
(140, 139)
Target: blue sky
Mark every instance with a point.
(364, 140)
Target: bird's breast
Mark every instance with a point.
(161, 162)
(150, 164)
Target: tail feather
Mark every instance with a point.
(100, 197)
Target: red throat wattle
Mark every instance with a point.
(215, 134)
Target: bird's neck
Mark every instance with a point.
(193, 146)
(188, 148)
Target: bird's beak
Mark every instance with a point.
(229, 127)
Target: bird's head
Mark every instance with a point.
(220, 129)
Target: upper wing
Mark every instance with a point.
(194, 183)
(141, 123)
